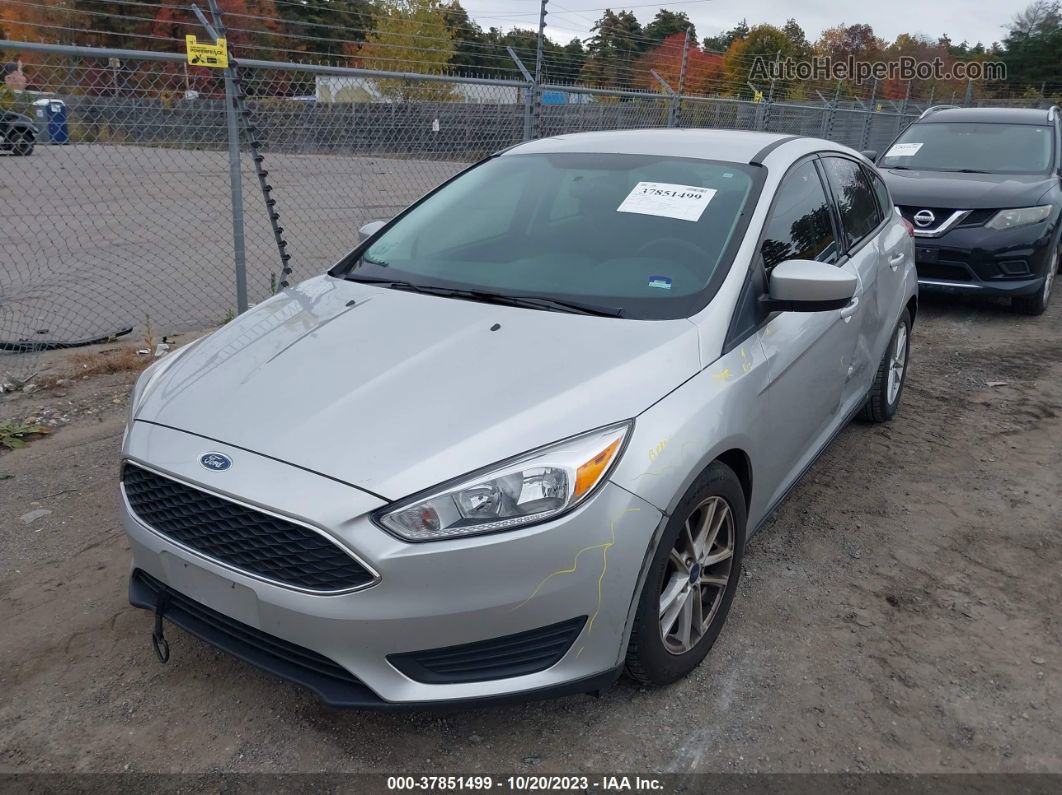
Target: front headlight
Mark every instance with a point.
(1022, 216)
(531, 488)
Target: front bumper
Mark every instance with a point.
(981, 261)
(428, 596)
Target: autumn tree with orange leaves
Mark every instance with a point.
(703, 70)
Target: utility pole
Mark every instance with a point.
(537, 88)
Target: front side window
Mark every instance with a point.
(648, 236)
(856, 200)
(799, 225)
(976, 147)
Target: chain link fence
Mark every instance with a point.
(124, 220)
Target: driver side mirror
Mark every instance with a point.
(804, 285)
(369, 230)
(870, 154)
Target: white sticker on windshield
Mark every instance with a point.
(685, 202)
(903, 150)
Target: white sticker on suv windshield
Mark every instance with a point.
(903, 150)
(685, 202)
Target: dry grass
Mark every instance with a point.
(110, 360)
(76, 366)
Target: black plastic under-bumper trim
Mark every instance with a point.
(332, 684)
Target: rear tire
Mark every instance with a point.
(690, 584)
(22, 144)
(1036, 304)
(884, 399)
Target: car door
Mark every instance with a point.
(860, 219)
(897, 250)
(807, 353)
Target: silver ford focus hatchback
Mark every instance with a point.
(515, 442)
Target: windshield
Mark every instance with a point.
(959, 146)
(640, 236)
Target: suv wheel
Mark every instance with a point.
(1036, 304)
(884, 398)
(692, 580)
(21, 144)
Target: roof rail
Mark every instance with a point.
(935, 108)
(1054, 112)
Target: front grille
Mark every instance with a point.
(978, 218)
(242, 537)
(334, 683)
(942, 214)
(499, 658)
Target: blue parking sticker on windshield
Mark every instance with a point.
(663, 282)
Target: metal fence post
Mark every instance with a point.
(903, 109)
(869, 120)
(536, 91)
(529, 94)
(676, 99)
(239, 247)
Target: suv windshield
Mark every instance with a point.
(966, 146)
(637, 236)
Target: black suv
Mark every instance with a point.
(983, 189)
(18, 133)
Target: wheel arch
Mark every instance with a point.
(738, 460)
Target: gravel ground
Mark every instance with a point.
(899, 614)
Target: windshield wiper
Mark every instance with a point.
(486, 297)
(960, 170)
(562, 305)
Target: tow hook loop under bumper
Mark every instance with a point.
(158, 642)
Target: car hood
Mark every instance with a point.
(394, 392)
(966, 191)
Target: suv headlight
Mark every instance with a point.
(531, 488)
(1022, 216)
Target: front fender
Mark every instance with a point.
(722, 408)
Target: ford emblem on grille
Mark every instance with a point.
(924, 218)
(218, 462)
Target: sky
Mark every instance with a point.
(972, 20)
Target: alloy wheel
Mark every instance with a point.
(897, 363)
(697, 573)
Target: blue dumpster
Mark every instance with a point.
(53, 123)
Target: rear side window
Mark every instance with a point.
(855, 198)
(799, 225)
(884, 199)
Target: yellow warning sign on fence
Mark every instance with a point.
(214, 55)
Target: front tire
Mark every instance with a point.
(692, 580)
(1037, 304)
(885, 393)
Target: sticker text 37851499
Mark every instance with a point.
(685, 202)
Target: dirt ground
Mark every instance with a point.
(900, 613)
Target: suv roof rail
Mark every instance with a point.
(935, 108)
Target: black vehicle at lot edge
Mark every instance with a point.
(18, 133)
(983, 189)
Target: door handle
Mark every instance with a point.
(895, 260)
(849, 311)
